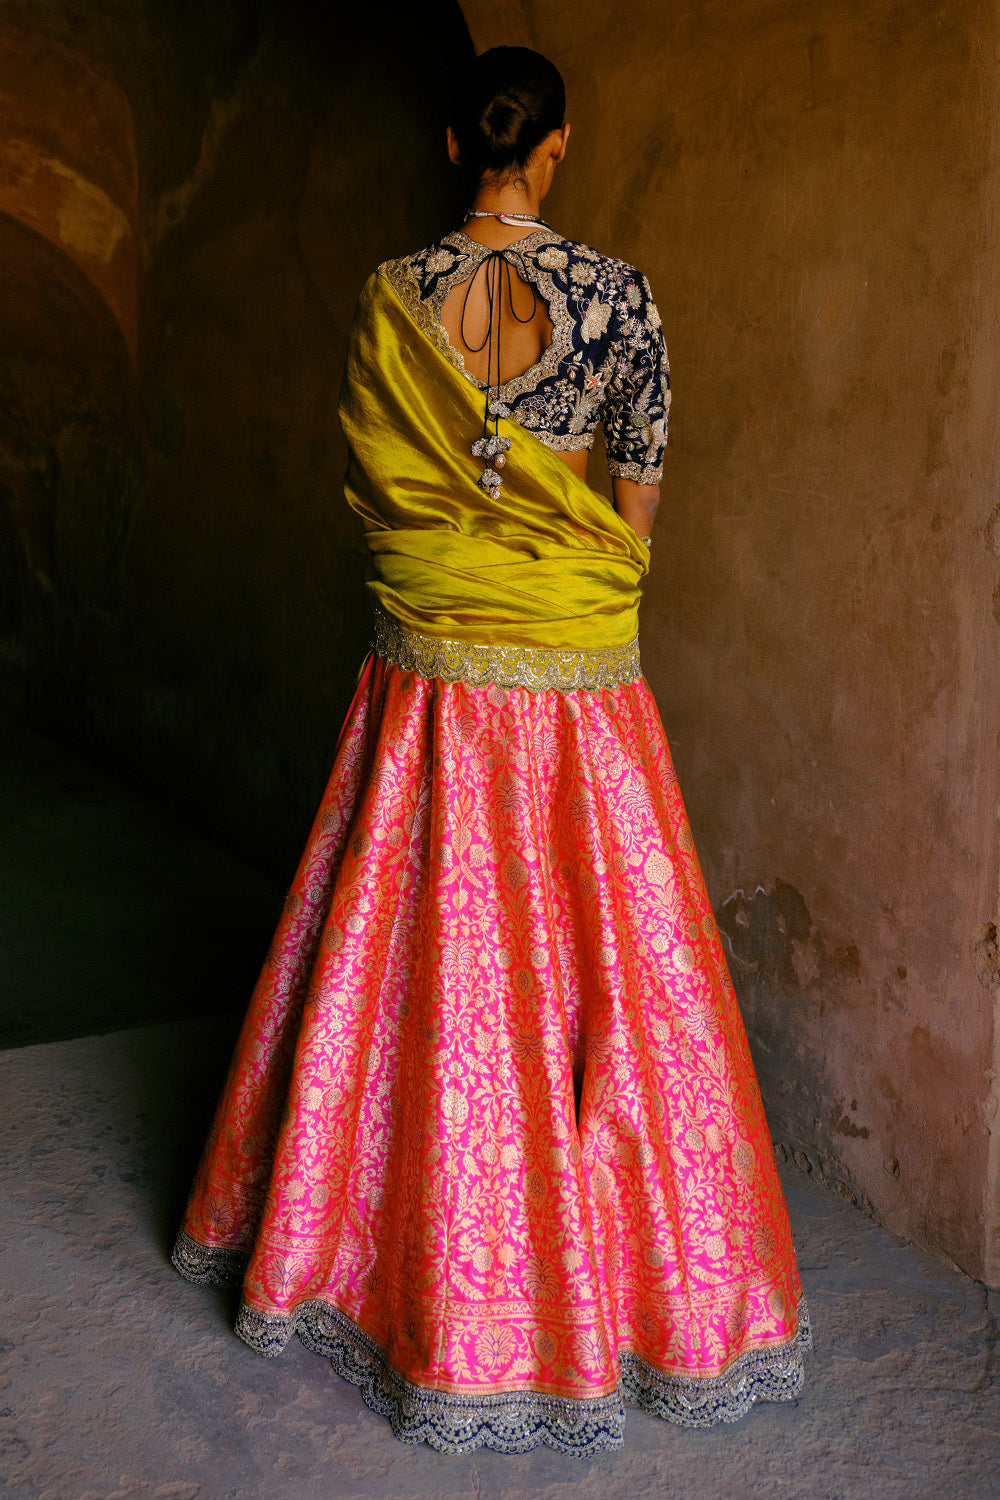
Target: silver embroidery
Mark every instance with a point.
(555, 301)
(596, 319)
(566, 442)
(507, 1422)
(456, 259)
(635, 472)
(208, 1265)
(553, 259)
(480, 664)
(402, 278)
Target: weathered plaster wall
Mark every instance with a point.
(190, 197)
(67, 164)
(811, 190)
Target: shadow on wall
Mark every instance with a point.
(194, 198)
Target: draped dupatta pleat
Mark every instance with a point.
(548, 564)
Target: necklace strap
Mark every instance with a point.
(505, 218)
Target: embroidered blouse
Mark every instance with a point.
(606, 360)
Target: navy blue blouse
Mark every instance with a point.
(606, 361)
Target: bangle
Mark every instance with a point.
(647, 542)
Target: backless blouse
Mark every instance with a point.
(606, 362)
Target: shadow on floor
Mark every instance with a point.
(112, 913)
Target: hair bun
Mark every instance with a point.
(508, 104)
(504, 121)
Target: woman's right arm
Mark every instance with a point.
(636, 407)
(636, 503)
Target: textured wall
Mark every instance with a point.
(810, 189)
(180, 580)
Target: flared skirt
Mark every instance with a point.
(491, 1138)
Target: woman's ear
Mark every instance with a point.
(454, 153)
(561, 150)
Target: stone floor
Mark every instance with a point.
(119, 1380)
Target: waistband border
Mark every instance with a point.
(481, 664)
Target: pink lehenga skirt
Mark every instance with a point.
(491, 1139)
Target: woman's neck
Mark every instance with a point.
(522, 197)
(503, 200)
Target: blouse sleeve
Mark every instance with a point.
(637, 395)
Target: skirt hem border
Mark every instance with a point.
(508, 1422)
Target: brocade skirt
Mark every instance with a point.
(491, 1139)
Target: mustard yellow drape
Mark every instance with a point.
(548, 564)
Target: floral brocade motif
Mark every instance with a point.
(606, 362)
(491, 1138)
(480, 664)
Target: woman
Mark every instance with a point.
(491, 1139)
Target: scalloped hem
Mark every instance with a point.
(508, 1422)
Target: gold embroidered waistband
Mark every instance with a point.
(479, 664)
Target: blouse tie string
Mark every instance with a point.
(491, 447)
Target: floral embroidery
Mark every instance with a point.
(605, 328)
(440, 261)
(596, 320)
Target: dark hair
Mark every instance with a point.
(508, 102)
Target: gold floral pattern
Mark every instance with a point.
(480, 1146)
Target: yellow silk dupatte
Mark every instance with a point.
(548, 564)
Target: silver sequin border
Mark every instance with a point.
(480, 664)
(506, 1422)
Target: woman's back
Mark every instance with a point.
(495, 319)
